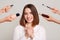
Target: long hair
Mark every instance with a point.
(34, 13)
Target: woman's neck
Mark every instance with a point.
(29, 23)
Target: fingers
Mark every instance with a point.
(13, 17)
(29, 31)
(10, 18)
(47, 17)
(55, 10)
(5, 9)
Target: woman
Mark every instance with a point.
(29, 28)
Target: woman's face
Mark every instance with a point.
(28, 15)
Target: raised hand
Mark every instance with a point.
(5, 9)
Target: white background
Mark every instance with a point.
(52, 29)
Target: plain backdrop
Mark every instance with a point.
(52, 29)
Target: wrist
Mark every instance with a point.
(57, 12)
(56, 21)
(53, 19)
(2, 20)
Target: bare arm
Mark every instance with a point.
(2, 20)
(51, 19)
(8, 18)
(56, 21)
(5, 9)
(56, 11)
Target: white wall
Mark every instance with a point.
(52, 29)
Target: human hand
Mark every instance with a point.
(55, 10)
(48, 17)
(29, 32)
(51, 19)
(5, 9)
(9, 18)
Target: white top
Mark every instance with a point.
(39, 33)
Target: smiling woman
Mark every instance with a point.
(29, 28)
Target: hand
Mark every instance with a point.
(29, 32)
(5, 9)
(55, 10)
(50, 18)
(10, 18)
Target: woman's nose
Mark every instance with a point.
(29, 15)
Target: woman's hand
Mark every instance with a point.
(56, 11)
(10, 18)
(29, 32)
(5, 9)
(51, 19)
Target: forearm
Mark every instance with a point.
(56, 21)
(58, 12)
(2, 20)
(1, 11)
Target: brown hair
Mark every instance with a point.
(34, 13)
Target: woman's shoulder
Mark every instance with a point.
(40, 27)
